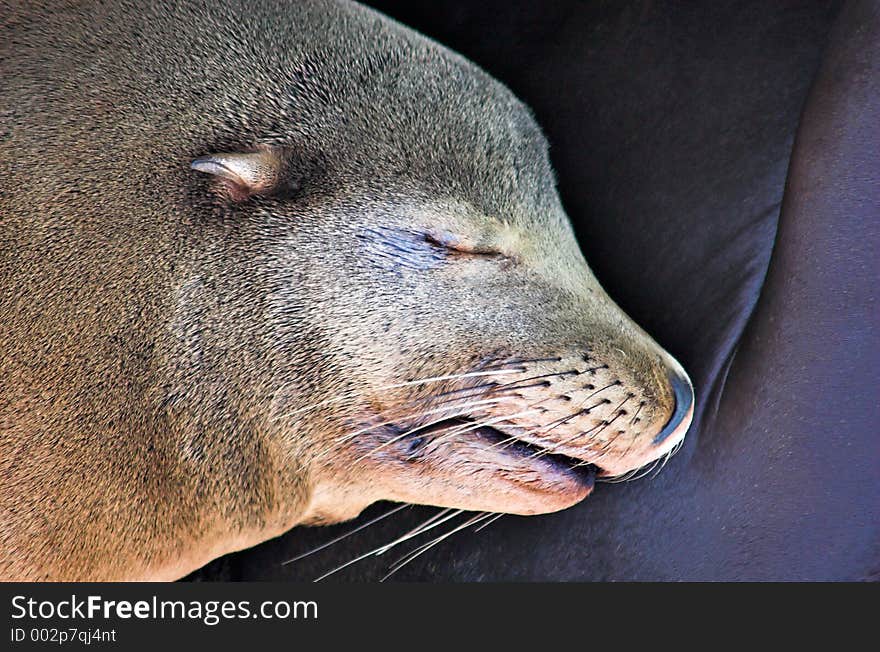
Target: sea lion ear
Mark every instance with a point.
(243, 173)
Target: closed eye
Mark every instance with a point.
(452, 246)
(395, 249)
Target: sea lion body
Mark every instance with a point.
(189, 365)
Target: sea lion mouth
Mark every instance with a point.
(523, 454)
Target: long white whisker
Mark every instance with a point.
(669, 455)
(347, 534)
(397, 438)
(438, 519)
(427, 546)
(490, 521)
(474, 426)
(386, 547)
(410, 383)
(551, 450)
(527, 433)
(345, 565)
(646, 469)
(579, 411)
(455, 409)
(482, 424)
(604, 424)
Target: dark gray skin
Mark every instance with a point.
(681, 122)
(259, 260)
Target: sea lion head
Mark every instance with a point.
(269, 262)
(433, 333)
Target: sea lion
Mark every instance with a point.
(266, 263)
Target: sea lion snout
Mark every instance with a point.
(617, 409)
(511, 401)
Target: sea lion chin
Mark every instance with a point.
(266, 264)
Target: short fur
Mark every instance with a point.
(161, 341)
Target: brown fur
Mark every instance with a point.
(162, 338)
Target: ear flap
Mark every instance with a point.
(243, 173)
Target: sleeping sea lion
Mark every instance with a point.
(265, 263)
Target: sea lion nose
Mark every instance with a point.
(684, 402)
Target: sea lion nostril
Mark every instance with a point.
(683, 392)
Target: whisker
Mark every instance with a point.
(489, 522)
(672, 451)
(525, 380)
(491, 388)
(645, 470)
(471, 388)
(470, 374)
(482, 424)
(513, 438)
(636, 415)
(603, 451)
(344, 566)
(608, 423)
(439, 518)
(451, 411)
(397, 438)
(346, 535)
(517, 387)
(601, 389)
(445, 408)
(403, 561)
(416, 415)
(581, 410)
(604, 425)
(624, 476)
(511, 386)
(385, 548)
(524, 361)
(409, 383)
(564, 442)
(663, 462)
